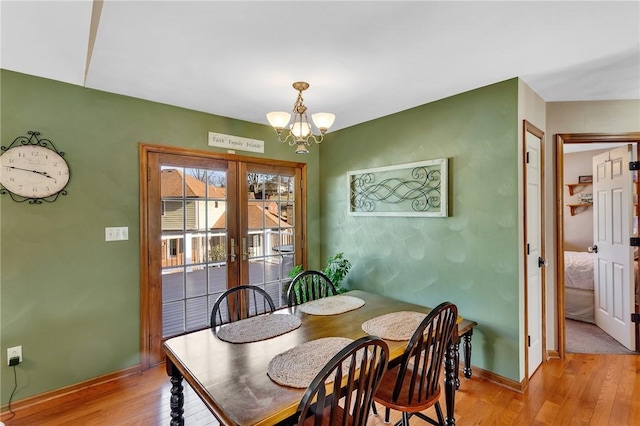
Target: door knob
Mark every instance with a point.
(542, 262)
(593, 249)
(232, 250)
(245, 253)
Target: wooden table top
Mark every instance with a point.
(232, 378)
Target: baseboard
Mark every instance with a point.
(51, 396)
(519, 387)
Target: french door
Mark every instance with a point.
(210, 222)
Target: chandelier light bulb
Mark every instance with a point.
(323, 120)
(278, 119)
(300, 129)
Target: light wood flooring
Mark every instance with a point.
(582, 389)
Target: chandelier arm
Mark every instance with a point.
(290, 138)
(314, 138)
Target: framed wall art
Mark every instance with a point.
(411, 189)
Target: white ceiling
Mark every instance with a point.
(363, 59)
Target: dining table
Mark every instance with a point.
(232, 380)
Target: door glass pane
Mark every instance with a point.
(194, 238)
(271, 233)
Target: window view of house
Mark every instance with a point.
(195, 260)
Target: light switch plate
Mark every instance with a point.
(118, 233)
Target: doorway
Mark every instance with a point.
(210, 222)
(575, 189)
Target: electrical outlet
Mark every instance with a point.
(15, 351)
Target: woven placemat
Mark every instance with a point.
(257, 328)
(298, 366)
(396, 325)
(332, 305)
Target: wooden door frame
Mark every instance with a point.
(530, 128)
(147, 358)
(569, 138)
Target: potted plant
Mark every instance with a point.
(292, 274)
(336, 269)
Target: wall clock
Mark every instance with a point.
(33, 170)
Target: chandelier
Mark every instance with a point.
(300, 133)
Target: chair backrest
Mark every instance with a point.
(240, 302)
(423, 359)
(308, 286)
(359, 367)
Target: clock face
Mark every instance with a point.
(33, 171)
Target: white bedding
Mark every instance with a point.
(579, 305)
(578, 270)
(578, 286)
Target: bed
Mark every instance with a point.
(579, 300)
(578, 286)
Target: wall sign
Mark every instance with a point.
(235, 142)
(411, 189)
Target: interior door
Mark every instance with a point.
(534, 247)
(613, 263)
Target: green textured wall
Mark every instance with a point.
(470, 257)
(68, 297)
(72, 300)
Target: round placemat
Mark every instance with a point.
(257, 328)
(332, 305)
(394, 326)
(298, 366)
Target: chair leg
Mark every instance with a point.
(374, 409)
(387, 414)
(439, 413)
(439, 422)
(405, 419)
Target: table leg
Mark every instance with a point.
(457, 361)
(176, 401)
(451, 369)
(466, 343)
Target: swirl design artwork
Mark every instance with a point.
(415, 189)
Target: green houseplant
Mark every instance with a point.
(336, 269)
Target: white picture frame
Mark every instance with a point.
(417, 189)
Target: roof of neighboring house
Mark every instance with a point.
(256, 212)
(171, 186)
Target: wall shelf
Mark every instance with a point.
(573, 186)
(577, 208)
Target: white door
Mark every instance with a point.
(534, 251)
(613, 263)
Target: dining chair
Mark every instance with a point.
(412, 383)
(308, 286)
(240, 302)
(358, 367)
